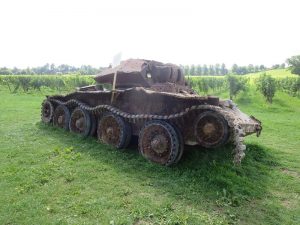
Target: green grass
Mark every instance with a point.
(49, 176)
(277, 73)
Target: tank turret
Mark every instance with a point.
(142, 73)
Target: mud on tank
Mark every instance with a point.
(150, 100)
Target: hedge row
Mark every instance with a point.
(203, 85)
(36, 82)
(290, 85)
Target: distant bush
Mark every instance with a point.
(267, 86)
(235, 85)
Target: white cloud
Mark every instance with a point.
(90, 32)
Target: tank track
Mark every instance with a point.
(237, 133)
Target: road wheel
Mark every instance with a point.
(159, 143)
(211, 129)
(61, 117)
(47, 111)
(80, 122)
(114, 130)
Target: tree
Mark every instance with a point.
(234, 69)
(250, 68)
(243, 70)
(199, 70)
(211, 70)
(276, 66)
(217, 69)
(262, 67)
(15, 70)
(186, 70)
(294, 63)
(192, 70)
(223, 69)
(52, 68)
(235, 84)
(205, 70)
(5, 71)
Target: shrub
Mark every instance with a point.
(24, 82)
(235, 85)
(267, 86)
(290, 85)
(206, 84)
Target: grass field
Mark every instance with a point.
(278, 73)
(49, 176)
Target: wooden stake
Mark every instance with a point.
(114, 87)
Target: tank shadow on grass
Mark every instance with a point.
(201, 172)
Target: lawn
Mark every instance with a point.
(49, 176)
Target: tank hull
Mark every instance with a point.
(137, 106)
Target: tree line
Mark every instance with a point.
(221, 69)
(193, 70)
(52, 69)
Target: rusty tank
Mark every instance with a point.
(150, 100)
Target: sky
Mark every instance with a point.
(76, 32)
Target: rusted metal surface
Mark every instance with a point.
(142, 73)
(211, 129)
(114, 130)
(80, 122)
(47, 111)
(159, 142)
(178, 115)
(109, 131)
(61, 117)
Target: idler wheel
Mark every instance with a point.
(114, 130)
(159, 142)
(211, 129)
(61, 117)
(80, 122)
(47, 111)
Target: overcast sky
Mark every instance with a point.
(35, 32)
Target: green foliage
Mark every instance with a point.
(294, 62)
(290, 85)
(205, 84)
(186, 70)
(267, 86)
(36, 82)
(52, 69)
(24, 82)
(5, 71)
(241, 70)
(205, 70)
(192, 70)
(223, 69)
(235, 85)
(220, 69)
